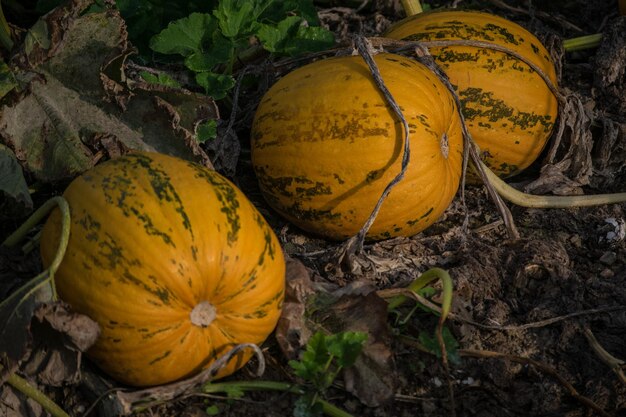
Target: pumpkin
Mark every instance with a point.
(172, 261)
(325, 144)
(508, 108)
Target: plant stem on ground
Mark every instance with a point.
(582, 42)
(421, 281)
(24, 387)
(218, 387)
(549, 201)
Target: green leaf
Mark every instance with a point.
(346, 347)
(305, 406)
(146, 18)
(310, 39)
(279, 9)
(316, 350)
(432, 345)
(274, 38)
(206, 131)
(221, 51)
(160, 78)
(314, 358)
(212, 410)
(292, 37)
(301, 369)
(215, 85)
(185, 36)
(238, 18)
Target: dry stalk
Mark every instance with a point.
(130, 401)
(616, 365)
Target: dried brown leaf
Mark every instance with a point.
(292, 331)
(569, 166)
(15, 318)
(609, 91)
(372, 379)
(313, 306)
(610, 66)
(15, 404)
(72, 94)
(15, 199)
(59, 338)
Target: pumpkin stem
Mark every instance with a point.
(203, 314)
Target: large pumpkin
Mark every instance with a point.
(508, 108)
(325, 144)
(172, 261)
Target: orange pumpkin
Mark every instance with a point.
(508, 108)
(325, 144)
(172, 261)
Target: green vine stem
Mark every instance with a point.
(447, 292)
(221, 387)
(412, 7)
(549, 201)
(582, 42)
(35, 284)
(423, 280)
(24, 387)
(37, 217)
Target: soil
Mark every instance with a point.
(568, 264)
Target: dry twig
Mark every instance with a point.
(616, 365)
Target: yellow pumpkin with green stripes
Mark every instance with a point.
(172, 261)
(508, 108)
(325, 144)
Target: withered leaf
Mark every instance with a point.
(372, 379)
(313, 306)
(64, 104)
(59, 338)
(292, 331)
(15, 315)
(16, 404)
(15, 199)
